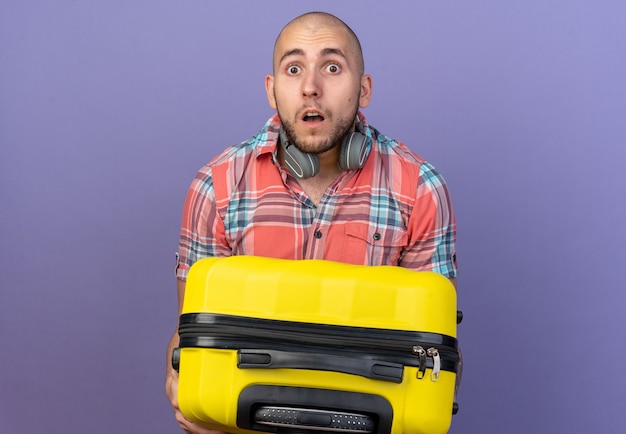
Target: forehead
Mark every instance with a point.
(309, 39)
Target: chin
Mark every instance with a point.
(315, 146)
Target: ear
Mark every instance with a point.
(366, 91)
(269, 89)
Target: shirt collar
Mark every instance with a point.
(268, 137)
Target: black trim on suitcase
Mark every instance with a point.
(367, 345)
(313, 419)
(374, 412)
(271, 359)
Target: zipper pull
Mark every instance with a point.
(434, 353)
(421, 353)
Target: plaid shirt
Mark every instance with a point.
(396, 210)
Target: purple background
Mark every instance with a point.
(107, 109)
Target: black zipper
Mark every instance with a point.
(207, 330)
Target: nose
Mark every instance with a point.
(311, 85)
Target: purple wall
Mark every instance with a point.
(107, 108)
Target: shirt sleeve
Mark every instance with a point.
(431, 227)
(202, 231)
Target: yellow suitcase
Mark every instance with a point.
(310, 346)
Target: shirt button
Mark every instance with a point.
(377, 236)
(318, 234)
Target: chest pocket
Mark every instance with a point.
(370, 245)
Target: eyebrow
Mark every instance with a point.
(324, 52)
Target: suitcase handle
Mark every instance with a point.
(272, 359)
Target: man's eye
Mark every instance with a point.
(293, 70)
(333, 68)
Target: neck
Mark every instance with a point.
(329, 162)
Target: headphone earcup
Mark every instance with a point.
(300, 164)
(354, 151)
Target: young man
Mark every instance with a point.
(317, 181)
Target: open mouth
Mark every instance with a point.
(312, 117)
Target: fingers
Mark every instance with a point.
(191, 428)
(171, 390)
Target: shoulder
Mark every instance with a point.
(390, 150)
(261, 143)
(396, 150)
(240, 154)
(405, 167)
(394, 155)
(232, 164)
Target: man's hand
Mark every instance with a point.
(171, 377)
(171, 390)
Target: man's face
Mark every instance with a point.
(317, 86)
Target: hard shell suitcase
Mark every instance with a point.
(310, 346)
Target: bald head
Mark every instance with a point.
(315, 21)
